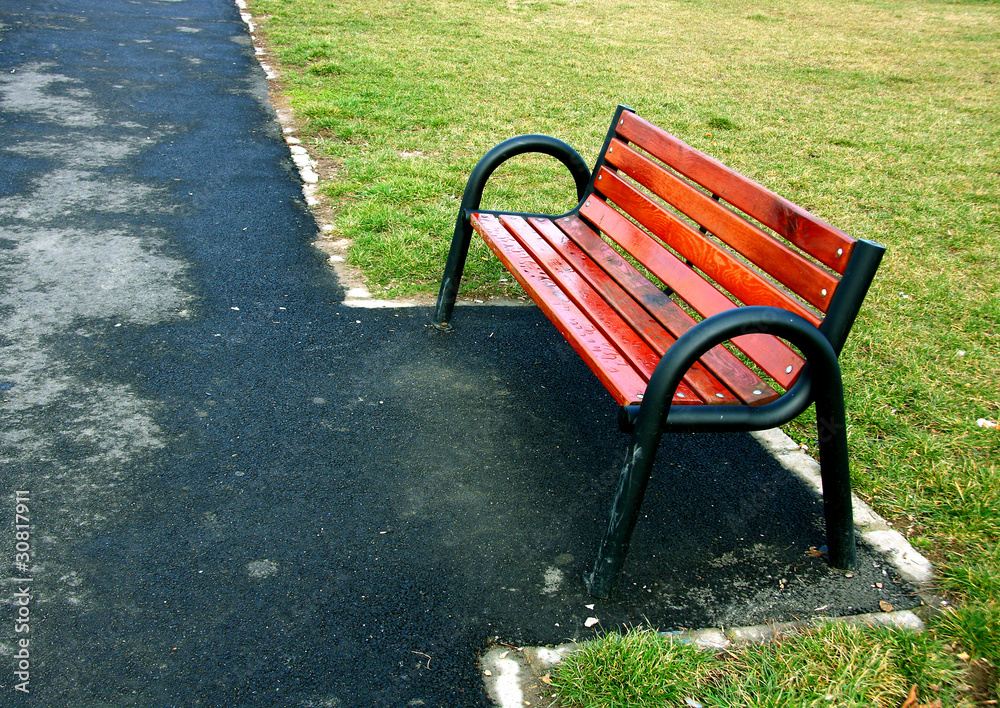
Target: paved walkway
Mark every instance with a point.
(241, 492)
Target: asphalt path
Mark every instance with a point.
(236, 491)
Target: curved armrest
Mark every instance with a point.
(473, 197)
(655, 413)
(543, 144)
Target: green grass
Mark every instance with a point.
(880, 116)
(633, 670)
(834, 665)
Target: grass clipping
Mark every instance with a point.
(834, 665)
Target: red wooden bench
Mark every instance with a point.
(733, 321)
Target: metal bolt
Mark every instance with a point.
(639, 396)
(621, 122)
(588, 203)
(823, 292)
(757, 393)
(719, 395)
(681, 395)
(840, 252)
(788, 370)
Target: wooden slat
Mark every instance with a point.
(600, 314)
(770, 353)
(579, 291)
(622, 381)
(746, 285)
(786, 265)
(824, 242)
(704, 384)
(719, 360)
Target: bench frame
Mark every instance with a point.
(655, 414)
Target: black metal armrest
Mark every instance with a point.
(656, 411)
(542, 144)
(473, 197)
(820, 381)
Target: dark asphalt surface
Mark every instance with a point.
(243, 493)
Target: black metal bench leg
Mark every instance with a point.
(624, 513)
(836, 475)
(453, 270)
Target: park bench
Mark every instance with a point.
(700, 299)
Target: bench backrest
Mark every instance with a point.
(717, 239)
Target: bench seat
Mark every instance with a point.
(620, 334)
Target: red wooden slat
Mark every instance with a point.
(739, 279)
(600, 314)
(706, 386)
(824, 242)
(787, 266)
(579, 291)
(616, 374)
(770, 353)
(720, 361)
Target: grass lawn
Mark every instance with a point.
(880, 116)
